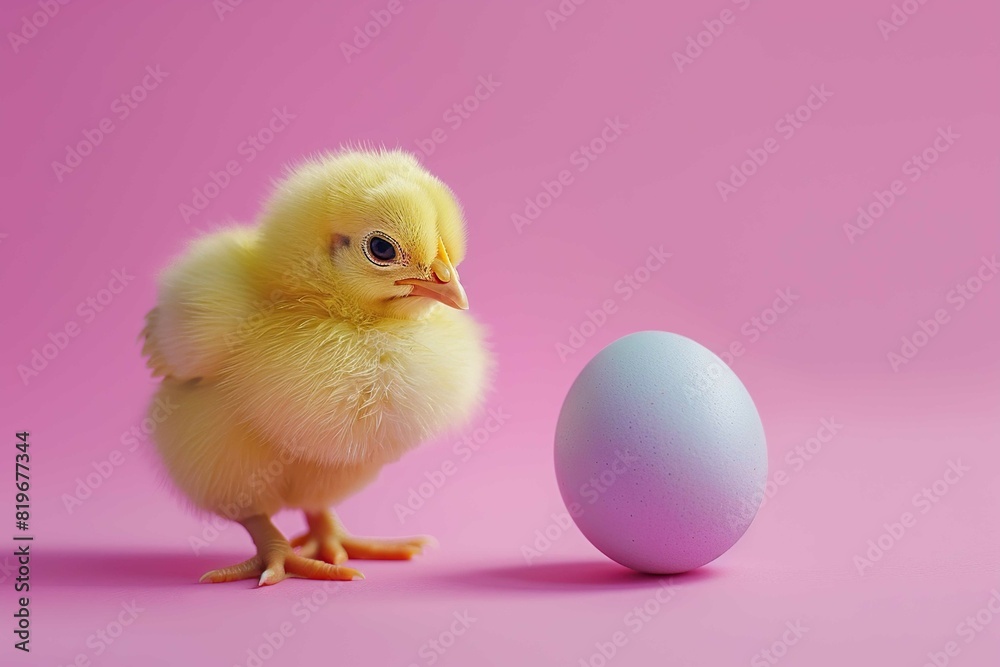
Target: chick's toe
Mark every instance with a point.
(275, 560)
(328, 541)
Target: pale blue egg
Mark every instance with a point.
(660, 453)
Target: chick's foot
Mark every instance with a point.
(275, 560)
(329, 542)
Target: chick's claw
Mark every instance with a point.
(276, 567)
(275, 561)
(327, 549)
(373, 548)
(248, 569)
(329, 542)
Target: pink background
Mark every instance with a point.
(826, 357)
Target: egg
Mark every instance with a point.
(660, 453)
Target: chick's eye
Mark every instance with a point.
(381, 249)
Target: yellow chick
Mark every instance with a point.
(310, 350)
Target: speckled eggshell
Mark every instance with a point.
(660, 453)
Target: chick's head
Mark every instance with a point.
(367, 234)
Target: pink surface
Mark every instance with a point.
(854, 436)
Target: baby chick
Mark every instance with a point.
(307, 352)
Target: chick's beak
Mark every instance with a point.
(442, 285)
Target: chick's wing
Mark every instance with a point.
(205, 298)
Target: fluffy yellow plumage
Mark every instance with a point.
(310, 350)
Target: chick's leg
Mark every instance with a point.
(275, 560)
(328, 541)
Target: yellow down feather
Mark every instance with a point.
(296, 365)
